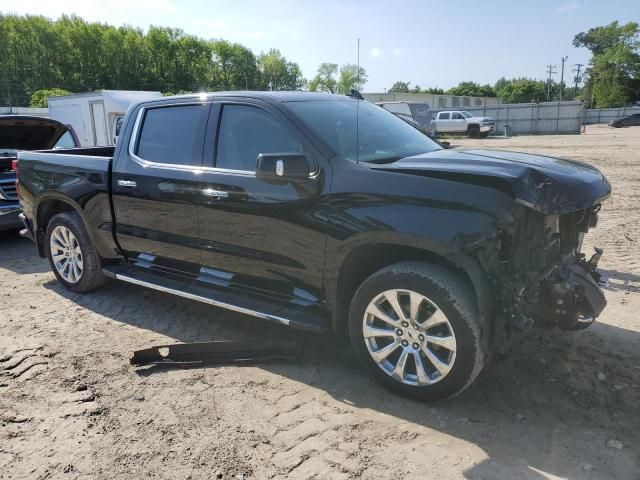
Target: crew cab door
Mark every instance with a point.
(257, 233)
(156, 185)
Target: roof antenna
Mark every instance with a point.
(358, 97)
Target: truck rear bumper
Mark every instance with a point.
(9, 216)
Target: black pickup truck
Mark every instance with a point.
(323, 212)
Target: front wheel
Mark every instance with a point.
(74, 261)
(474, 131)
(415, 326)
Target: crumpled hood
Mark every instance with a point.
(549, 185)
(23, 132)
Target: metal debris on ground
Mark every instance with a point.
(217, 352)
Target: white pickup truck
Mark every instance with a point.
(459, 121)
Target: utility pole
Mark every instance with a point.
(577, 79)
(563, 59)
(550, 71)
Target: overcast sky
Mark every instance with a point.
(429, 43)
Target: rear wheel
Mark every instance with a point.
(415, 326)
(73, 259)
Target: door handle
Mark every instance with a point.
(127, 183)
(219, 194)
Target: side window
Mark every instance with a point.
(168, 135)
(457, 116)
(65, 141)
(444, 116)
(246, 132)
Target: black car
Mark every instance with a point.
(24, 132)
(628, 121)
(326, 213)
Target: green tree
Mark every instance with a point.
(472, 89)
(521, 90)
(39, 97)
(325, 80)
(613, 76)
(400, 87)
(348, 78)
(278, 73)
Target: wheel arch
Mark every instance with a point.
(46, 208)
(362, 261)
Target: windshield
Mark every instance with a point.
(467, 114)
(382, 135)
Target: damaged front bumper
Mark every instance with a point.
(576, 299)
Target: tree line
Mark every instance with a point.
(40, 57)
(514, 90)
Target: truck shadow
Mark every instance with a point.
(19, 254)
(542, 411)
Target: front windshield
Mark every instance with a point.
(382, 135)
(467, 114)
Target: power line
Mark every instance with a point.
(550, 71)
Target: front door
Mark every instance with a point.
(156, 183)
(259, 234)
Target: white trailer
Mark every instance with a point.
(96, 117)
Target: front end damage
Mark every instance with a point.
(539, 274)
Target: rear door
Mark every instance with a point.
(254, 233)
(156, 181)
(458, 122)
(443, 123)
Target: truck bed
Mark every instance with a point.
(80, 176)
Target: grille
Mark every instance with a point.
(8, 189)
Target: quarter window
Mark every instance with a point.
(170, 135)
(246, 132)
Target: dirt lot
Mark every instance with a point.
(72, 407)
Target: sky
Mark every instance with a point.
(428, 43)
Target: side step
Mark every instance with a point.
(310, 318)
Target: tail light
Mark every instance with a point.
(14, 167)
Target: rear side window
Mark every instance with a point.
(170, 135)
(444, 116)
(246, 132)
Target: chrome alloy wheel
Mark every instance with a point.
(66, 254)
(409, 337)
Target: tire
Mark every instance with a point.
(86, 258)
(473, 131)
(449, 295)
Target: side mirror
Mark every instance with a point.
(283, 167)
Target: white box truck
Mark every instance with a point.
(96, 117)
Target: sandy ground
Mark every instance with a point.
(72, 407)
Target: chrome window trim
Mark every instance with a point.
(188, 168)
